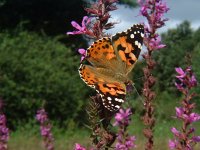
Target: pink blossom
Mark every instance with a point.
(179, 86)
(186, 78)
(175, 131)
(4, 133)
(181, 73)
(45, 129)
(143, 10)
(80, 29)
(193, 117)
(155, 43)
(179, 112)
(122, 116)
(193, 81)
(83, 53)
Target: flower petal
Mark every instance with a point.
(76, 25)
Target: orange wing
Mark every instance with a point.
(128, 45)
(101, 54)
(111, 91)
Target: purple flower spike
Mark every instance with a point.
(4, 133)
(185, 137)
(153, 11)
(83, 53)
(80, 29)
(45, 129)
(122, 120)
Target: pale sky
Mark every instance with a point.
(180, 10)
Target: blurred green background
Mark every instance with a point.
(39, 62)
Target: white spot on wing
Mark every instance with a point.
(109, 98)
(119, 100)
(136, 42)
(132, 36)
(117, 106)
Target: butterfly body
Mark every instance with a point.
(111, 60)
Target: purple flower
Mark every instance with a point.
(79, 147)
(193, 117)
(196, 138)
(83, 53)
(179, 86)
(175, 131)
(120, 146)
(181, 73)
(4, 133)
(155, 43)
(80, 29)
(186, 79)
(45, 129)
(179, 112)
(130, 142)
(41, 116)
(173, 144)
(122, 116)
(154, 17)
(193, 81)
(143, 11)
(161, 7)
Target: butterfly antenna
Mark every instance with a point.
(140, 97)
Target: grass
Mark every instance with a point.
(28, 138)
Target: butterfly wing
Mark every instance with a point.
(111, 91)
(127, 46)
(102, 54)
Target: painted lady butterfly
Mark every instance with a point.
(111, 60)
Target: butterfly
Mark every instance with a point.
(111, 59)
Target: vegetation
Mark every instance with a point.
(38, 67)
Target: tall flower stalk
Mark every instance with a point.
(153, 11)
(93, 27)
(45, 129)
(185, 138)
(122, 121)
(4, 131)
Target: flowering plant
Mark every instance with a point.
(185, 138)
(45, 129)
